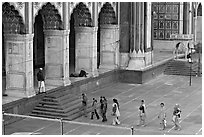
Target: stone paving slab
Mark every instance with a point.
(165, 88)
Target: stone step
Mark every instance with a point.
(55, 114)
(50, 106)
(72, 100)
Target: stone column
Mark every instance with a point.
(125, 33)
(185, 18)
(86, 50)
(109, 51)
(148, 34)
(19, 65)
(137, 58)
(56, 57)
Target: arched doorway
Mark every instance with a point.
(38, 43)
(38, 46)
(48, 18)
(80, 17)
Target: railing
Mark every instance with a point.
(62, 122)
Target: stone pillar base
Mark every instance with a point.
(149, 58)
(137, 61)
(124, 58)
(93, 74)
(57, 82)
(20, 93)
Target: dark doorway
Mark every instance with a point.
(38, 47)
(38, 42)
(72, 46)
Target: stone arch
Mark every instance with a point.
(51, 17)
(107, 14)
(82, 15)
(11, 19)
(199, 10)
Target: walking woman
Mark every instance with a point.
(116, 112)
(176, 117)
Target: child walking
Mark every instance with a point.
(162, 117)
(142, 114)
(176, 117)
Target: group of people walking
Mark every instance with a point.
(142, 112)
(103, 108)
(162, 116)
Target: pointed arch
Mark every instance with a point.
(199, 11)
(51, 17)
(11, 19)
(107, 14)
(82, 15)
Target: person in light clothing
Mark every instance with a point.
(41, 81)
(162, 117)
(116, 112)
(176, 117)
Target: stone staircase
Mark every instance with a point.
(181, 67)
(60, 105)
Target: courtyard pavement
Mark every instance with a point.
(170, 89)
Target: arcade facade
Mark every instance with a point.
(66, 37)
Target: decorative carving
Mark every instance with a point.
(36, 5)
(72, 4)
(59, 4)
(114, 4)
(107, 14)
(12, 21)
(20, 5)
(48, 40)
(52, 17)
(89, 4)
(99, 4)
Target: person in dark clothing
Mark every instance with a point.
(84, 104)
(104, 110)
(94, 109)
(101, 105)
(41, 81)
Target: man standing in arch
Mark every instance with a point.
(41, 81)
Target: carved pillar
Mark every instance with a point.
(148, 34)
(19, 65)
(57, 57)
(109, 41)
(86, 50)
(185, 18)
(137, 58)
